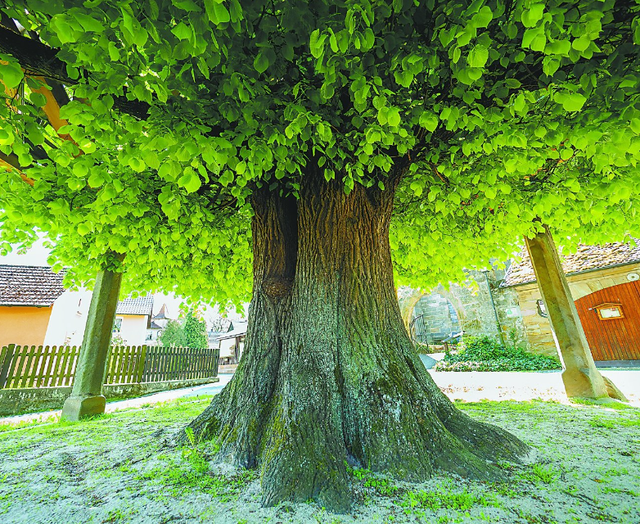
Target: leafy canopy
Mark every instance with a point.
(496, 114)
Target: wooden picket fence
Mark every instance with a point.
(54, 366)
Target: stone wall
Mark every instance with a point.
(437, 319)
(472, 303)
(25, 400)
(538, 329)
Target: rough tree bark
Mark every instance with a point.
(329, 376)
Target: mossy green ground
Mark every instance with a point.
(117, 469)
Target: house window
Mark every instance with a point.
(542, 309)
(117, 325)
(609, 311)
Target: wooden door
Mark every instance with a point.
(611, 321)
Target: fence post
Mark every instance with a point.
(141, 363)
(5, 361)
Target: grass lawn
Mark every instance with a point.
(117, 469)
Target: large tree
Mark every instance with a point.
(325, 125)
(191, 331)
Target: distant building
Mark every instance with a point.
(35, 309)
(157, 325)
(27, 297)
(133, 318)
(604, 282)
(231, 343)
(605, 285)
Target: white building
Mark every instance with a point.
(69, 318)
(231, 344)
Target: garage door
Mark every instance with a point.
(611, 321)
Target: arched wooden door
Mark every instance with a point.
(611, 321)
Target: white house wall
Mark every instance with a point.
(227, 347)
(133, 330)
(68, 319)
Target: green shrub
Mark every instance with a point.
(486, 354)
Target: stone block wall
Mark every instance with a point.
(28, 400)
(472, 303)
(438, 315)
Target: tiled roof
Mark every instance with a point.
(162, 314)
(585, 259)
(29, 285)
(136, 306)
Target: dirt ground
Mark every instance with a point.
(115, 469)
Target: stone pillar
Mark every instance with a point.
(580, 377)
(407, 303)
(86, 398)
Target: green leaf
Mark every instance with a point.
(190, 181)
(261, 61)
(393, 116)
(483, 17)
(186, 5)
(11, 74)
(333, 42)
(114, 52)
(550, 65)
(558, 47)
(533, 15)
(316, 43)
(581, 44)
(88, 23)
(429, 121)
(217, 12)
(570, 101)
(80, 169)
(182, 31)
(83, 229)
(96, 179)
(478, 56)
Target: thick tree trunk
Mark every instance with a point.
(329, 376)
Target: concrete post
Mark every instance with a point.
(580, 377)
(86, 398)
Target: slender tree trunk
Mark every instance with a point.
(580, 376)
(329, 376)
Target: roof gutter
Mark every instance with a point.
(22, 304)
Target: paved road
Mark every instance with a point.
(470, 386)
(210, 389)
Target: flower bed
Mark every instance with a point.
(485, 354)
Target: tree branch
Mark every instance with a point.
(38, 59)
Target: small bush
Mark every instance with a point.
(485, 354)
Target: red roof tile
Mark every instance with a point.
(585, 259)
(29, 286)
(136, 306)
